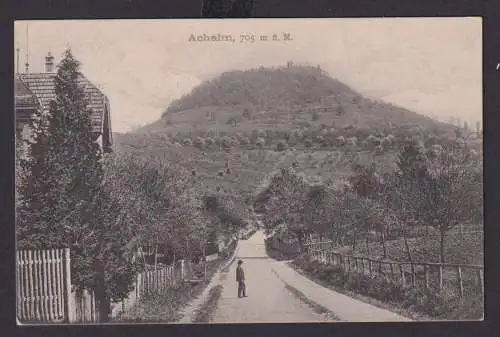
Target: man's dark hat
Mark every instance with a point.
(240, 262)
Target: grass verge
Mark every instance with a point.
(205, 312)
(318, 309)
(167, 306)
(279, 255)
(164, 307)
(417, 304)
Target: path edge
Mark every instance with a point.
(191, 308)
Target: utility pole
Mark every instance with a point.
(27, 64)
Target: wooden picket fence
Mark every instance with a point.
(44, 293)
(152, 282)
(460, 278)
(43, 284)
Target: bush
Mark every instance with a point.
(199, 143)
(281, 146)
(187, 142)
(226, 142)
(340, 141)
(209, 141)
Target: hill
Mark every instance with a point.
(236, 129)
(285, 98)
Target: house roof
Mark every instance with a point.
(41, 88)
(24, 97)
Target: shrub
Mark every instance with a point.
(209, 141)
(352, 141)
(187, 142)
(281, 146)
(199, 143)
(340, 141)
(226, 142)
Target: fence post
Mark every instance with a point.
(440, 277)
(19, 297)
(45, 286)
(460, 282)
(70, 306)
(426, 275)
(481, 283)
(402, 274)
(413, 276)
(182, 270)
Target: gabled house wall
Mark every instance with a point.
(34, 91)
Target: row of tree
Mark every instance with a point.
(440, 190)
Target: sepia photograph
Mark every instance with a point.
(205, 171)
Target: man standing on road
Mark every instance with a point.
(240, 278)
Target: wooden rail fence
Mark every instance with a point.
(460, 278)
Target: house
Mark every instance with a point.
(35, 91)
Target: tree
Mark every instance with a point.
(317, 214)
(64, 201)
(284, 198)
(400, 199)
(412, 161)
(365, 181)
(452, 194)
(65, 168)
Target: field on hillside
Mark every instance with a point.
(235, 173)
(240, 172)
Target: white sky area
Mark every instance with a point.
(429, 65)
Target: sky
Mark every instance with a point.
(429, 65)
